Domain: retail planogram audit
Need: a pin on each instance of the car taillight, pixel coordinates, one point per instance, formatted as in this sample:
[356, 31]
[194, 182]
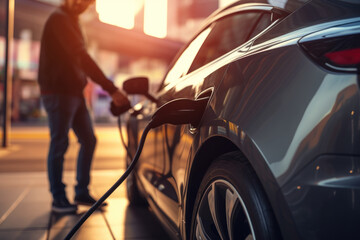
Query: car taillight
[345, 57]
[336, 49]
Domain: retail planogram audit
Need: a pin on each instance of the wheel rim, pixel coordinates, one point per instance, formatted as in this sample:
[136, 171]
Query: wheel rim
[222, 214]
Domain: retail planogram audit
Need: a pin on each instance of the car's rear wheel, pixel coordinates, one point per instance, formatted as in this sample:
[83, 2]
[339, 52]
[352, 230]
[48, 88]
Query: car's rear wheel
[231, 203]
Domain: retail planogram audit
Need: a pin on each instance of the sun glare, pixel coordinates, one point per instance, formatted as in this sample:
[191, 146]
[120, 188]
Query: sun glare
[120, 13]
[155, 18]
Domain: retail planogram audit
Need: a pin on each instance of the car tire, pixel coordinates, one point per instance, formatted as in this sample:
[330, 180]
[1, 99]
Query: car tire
[231, 203]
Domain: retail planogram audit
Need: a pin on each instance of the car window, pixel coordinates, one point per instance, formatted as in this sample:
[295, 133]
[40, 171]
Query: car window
[183, 63]
[227, 34]
[263, 22]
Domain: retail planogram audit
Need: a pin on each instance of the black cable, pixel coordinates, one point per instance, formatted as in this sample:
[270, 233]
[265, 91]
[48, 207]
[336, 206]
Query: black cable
[176, 112]
[115, 186]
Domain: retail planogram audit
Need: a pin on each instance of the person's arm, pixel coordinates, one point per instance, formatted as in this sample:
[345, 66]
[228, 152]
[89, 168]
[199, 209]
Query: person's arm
[94, 72]
[69, 36]
[71, 41]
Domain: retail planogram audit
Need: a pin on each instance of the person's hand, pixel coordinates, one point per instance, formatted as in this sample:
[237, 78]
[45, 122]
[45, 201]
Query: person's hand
[120, 99]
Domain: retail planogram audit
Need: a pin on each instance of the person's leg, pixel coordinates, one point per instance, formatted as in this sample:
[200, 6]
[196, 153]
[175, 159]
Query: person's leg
[60, 114]
[83, 129]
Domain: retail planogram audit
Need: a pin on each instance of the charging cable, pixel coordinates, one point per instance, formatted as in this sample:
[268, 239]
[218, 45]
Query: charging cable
[176, 112]
[115, 186]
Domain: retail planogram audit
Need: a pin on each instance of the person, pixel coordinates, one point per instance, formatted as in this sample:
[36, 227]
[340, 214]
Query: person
[63, 70]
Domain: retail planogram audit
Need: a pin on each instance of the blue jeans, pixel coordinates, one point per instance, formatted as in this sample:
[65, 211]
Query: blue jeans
[65, 112]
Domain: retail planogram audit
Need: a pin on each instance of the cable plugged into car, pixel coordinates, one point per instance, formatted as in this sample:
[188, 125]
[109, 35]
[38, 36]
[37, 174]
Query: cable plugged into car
[180, 111]
[176, 112]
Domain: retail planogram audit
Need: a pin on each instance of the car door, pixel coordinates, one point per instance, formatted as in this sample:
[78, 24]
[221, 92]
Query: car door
[204, 74]
[146, 168]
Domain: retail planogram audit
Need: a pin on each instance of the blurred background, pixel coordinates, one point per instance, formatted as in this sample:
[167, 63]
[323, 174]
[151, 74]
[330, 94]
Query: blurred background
[126, 38]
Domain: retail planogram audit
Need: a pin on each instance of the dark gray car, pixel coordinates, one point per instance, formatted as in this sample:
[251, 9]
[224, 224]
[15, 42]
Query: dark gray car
[277, 152]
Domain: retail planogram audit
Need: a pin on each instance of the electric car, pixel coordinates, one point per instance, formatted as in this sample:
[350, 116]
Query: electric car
[276, 152]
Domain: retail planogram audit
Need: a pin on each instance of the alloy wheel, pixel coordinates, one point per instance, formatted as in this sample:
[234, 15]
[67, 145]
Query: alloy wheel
[222, 214]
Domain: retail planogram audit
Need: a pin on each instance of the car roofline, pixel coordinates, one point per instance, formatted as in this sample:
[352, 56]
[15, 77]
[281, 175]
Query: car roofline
[286, 5]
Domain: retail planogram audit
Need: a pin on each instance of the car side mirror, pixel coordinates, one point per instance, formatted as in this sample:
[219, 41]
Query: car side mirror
[138, 85]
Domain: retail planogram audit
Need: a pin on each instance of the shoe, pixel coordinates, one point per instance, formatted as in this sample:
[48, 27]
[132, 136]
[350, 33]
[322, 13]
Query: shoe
[62, 205]
[86, 199]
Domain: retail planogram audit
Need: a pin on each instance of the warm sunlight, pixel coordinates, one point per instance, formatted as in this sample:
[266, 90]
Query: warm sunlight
[223, 3]
[120, 13]
[155, 18]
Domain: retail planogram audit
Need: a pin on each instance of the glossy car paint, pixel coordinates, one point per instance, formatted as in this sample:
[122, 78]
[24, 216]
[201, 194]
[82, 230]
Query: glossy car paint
[296, 122]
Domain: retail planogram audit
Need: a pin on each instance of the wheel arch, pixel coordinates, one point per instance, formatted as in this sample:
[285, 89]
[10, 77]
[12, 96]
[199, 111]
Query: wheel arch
[216, 146]
[208, 152]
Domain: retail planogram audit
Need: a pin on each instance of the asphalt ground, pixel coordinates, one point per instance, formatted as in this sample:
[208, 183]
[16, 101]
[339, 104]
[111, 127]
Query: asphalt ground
[25, 201]
[28, 149]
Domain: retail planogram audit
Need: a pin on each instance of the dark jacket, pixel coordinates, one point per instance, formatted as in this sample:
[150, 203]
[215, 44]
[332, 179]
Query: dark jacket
[64, 61]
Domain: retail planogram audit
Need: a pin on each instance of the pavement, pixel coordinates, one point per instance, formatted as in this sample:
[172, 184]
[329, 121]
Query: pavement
[25, 201]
